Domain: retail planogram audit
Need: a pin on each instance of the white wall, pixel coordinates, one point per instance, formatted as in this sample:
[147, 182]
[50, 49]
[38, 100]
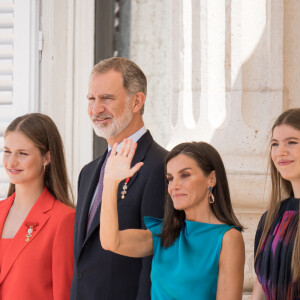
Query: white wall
[68, 54]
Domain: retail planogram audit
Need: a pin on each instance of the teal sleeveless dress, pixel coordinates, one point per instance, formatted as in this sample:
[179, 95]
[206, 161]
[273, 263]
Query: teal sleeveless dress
[189, 268]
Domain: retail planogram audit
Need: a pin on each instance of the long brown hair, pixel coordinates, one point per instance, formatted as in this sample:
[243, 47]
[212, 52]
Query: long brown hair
[281, 189]
[42, 131]
[208, 160]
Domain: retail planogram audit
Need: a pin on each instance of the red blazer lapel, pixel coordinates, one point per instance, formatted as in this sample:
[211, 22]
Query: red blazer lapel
[5, 206]
[36, 217]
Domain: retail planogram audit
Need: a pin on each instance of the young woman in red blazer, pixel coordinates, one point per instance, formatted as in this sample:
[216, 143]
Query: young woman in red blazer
[37, 218]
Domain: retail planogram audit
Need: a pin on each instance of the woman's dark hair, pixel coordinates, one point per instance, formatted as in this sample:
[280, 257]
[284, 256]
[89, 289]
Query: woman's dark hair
[208, 160]
[42, 131]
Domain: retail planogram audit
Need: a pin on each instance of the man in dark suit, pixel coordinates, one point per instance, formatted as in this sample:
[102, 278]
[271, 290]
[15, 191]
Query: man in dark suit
[116, 96]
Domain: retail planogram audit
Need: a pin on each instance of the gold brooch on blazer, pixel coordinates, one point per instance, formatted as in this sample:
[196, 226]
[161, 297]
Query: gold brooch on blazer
[124, 192]
[31, 227]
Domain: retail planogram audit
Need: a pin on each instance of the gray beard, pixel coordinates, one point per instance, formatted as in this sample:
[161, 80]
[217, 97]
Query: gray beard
[115, 127]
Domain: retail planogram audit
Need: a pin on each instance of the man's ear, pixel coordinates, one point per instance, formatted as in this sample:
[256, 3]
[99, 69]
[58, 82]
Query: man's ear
[138, 101]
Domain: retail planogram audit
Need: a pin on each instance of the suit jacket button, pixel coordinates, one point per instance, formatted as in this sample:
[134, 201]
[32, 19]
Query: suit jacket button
[79, 275]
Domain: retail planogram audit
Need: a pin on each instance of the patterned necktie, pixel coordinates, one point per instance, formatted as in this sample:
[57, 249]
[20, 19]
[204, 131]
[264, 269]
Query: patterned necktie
[98, 196]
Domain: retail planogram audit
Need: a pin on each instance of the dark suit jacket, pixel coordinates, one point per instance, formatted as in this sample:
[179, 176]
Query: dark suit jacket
[100, 274]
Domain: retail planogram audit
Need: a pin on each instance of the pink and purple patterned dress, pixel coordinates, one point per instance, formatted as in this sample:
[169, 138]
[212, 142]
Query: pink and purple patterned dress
[273, 263]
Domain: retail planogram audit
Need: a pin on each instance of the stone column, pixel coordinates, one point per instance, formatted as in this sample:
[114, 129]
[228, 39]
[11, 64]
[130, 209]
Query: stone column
[221, 72]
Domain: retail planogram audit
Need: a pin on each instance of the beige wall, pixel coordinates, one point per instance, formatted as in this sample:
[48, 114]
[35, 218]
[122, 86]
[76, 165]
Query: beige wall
[291, 53]
[221, 71]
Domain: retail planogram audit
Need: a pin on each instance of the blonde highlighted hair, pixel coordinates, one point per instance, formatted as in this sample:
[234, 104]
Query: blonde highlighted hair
[281, 189]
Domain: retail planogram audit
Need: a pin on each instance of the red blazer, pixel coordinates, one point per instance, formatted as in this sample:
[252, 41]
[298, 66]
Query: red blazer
[42, 267]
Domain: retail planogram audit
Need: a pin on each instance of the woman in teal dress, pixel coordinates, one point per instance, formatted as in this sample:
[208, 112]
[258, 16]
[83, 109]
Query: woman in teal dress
[198, 249]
